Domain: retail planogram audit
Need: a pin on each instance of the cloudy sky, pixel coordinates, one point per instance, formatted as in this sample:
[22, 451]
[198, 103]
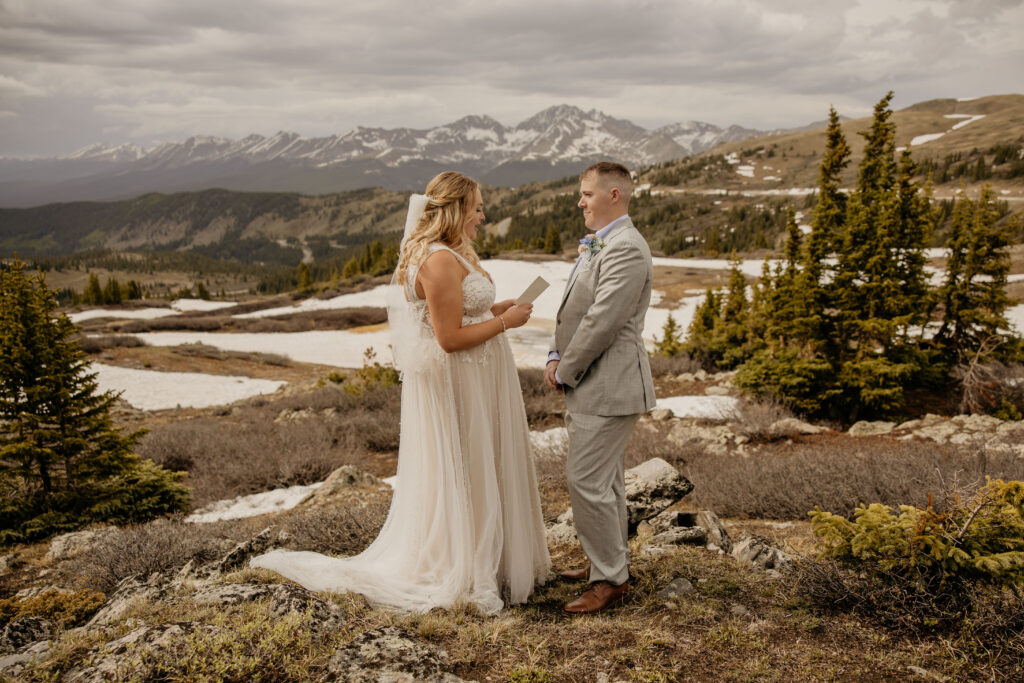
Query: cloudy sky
[75, 72]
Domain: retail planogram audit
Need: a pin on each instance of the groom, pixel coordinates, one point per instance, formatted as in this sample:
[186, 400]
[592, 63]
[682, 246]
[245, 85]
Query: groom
[599, 361]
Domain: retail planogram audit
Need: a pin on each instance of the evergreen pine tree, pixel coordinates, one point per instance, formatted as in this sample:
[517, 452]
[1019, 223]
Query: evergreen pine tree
[62, 463]
[93, 293]
[699, 336]
[552, 241]
[305, 280]
[112, 291]
[974, 292]
[670, 344]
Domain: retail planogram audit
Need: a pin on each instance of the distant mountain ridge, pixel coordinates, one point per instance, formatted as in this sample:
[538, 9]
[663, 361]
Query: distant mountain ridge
[551, 144]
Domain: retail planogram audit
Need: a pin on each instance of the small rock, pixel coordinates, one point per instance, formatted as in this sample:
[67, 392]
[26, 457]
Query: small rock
[561, 533]
[676, 589]
[701, 375]
[283, 599]
[686, 377]
[256, 545]
[654, 551]
[679, 535]
[788, 426]
[390, 654]
[925, 673]
[738, 610]
[717, 390]
[661, 414]
[715, 530]
[758, 552]
[865, 428]
[663, 521]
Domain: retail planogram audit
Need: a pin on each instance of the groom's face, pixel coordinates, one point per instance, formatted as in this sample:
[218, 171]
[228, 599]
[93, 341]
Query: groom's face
[598, 201]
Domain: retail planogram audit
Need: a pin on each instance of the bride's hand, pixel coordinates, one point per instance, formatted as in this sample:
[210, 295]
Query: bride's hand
[501, 306]
[517, 315]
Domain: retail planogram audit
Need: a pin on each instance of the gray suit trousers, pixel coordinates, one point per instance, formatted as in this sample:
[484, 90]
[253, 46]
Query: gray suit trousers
[596, 476]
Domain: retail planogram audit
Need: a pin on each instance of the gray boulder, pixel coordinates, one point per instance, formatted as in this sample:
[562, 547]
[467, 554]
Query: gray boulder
[652, 487]
[389, 655]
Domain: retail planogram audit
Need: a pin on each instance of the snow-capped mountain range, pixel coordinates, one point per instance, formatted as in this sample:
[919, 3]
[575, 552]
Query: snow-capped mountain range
[550, 144]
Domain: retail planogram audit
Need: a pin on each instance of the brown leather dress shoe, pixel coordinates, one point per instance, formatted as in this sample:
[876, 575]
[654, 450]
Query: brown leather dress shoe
[576, 574]
[598, 596]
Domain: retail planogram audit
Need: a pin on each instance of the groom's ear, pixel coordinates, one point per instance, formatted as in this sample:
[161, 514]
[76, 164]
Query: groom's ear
[615, 194]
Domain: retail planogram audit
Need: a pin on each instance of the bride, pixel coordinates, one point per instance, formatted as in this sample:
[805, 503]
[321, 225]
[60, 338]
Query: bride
[465, 521]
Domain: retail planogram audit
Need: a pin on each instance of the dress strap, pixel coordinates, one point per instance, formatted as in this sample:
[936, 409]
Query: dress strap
[437, 246]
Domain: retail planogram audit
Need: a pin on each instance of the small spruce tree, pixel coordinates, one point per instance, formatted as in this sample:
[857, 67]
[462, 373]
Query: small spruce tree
[62, 463]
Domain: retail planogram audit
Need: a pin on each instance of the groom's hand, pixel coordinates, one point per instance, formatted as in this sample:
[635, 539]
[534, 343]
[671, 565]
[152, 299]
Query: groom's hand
[549, 375]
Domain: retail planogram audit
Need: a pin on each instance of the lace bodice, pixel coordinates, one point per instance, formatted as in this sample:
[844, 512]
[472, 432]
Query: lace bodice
[477, 298]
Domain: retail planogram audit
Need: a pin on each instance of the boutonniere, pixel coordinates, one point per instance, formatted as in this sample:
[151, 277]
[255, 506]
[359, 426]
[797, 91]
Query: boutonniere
[590, 245]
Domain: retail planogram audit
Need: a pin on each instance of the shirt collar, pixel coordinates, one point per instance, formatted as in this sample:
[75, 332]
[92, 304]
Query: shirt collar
[603, 232]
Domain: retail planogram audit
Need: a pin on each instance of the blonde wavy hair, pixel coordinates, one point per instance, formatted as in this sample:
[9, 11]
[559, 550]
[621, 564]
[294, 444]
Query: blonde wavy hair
[451, 198]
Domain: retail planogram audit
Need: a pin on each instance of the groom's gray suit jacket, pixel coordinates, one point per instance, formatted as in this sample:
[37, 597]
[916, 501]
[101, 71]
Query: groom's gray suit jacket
[604, 367]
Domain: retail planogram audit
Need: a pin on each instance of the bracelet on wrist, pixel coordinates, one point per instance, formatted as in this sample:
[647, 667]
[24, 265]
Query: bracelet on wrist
[503, 327]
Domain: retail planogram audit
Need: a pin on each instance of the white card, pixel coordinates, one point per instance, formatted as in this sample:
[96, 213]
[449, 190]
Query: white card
[533, 291]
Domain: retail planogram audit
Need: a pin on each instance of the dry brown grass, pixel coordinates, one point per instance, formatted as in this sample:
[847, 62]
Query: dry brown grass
[159, 546]
[250, 451]
[785, 480]
[108, 341]
[332, 319]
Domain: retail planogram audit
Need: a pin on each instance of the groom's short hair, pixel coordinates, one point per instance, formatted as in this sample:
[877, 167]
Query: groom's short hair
[612, 174]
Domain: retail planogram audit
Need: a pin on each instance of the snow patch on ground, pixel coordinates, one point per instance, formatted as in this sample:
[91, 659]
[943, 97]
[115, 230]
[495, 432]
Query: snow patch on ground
[922, 139]
[709, 407]
[970, 119]
[133, 314]
[745, 171]
[151, 390]
[1016, 317]
[187, 305]
[276, 500]
[376, 297]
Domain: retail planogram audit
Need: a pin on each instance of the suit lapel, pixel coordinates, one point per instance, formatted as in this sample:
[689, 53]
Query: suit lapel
[616, 231]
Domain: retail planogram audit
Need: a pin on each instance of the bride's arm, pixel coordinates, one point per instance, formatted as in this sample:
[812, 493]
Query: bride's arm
[440, 277]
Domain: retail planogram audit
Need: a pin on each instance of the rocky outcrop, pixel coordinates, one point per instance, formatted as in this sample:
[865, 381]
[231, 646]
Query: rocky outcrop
[391, 655]
[282, 599]
[240, 555]
[67, 545]
[23, 632]
[340, 482]
[119, 659]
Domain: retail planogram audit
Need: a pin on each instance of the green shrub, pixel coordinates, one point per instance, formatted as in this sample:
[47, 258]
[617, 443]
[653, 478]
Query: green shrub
[63, 610]
[977, 541]
[371, 376]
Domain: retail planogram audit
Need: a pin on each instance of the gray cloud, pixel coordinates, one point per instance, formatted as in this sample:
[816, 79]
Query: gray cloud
[76, 71]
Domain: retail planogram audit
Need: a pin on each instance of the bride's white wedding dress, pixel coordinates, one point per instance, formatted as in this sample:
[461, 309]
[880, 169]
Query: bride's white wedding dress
[465, 522]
